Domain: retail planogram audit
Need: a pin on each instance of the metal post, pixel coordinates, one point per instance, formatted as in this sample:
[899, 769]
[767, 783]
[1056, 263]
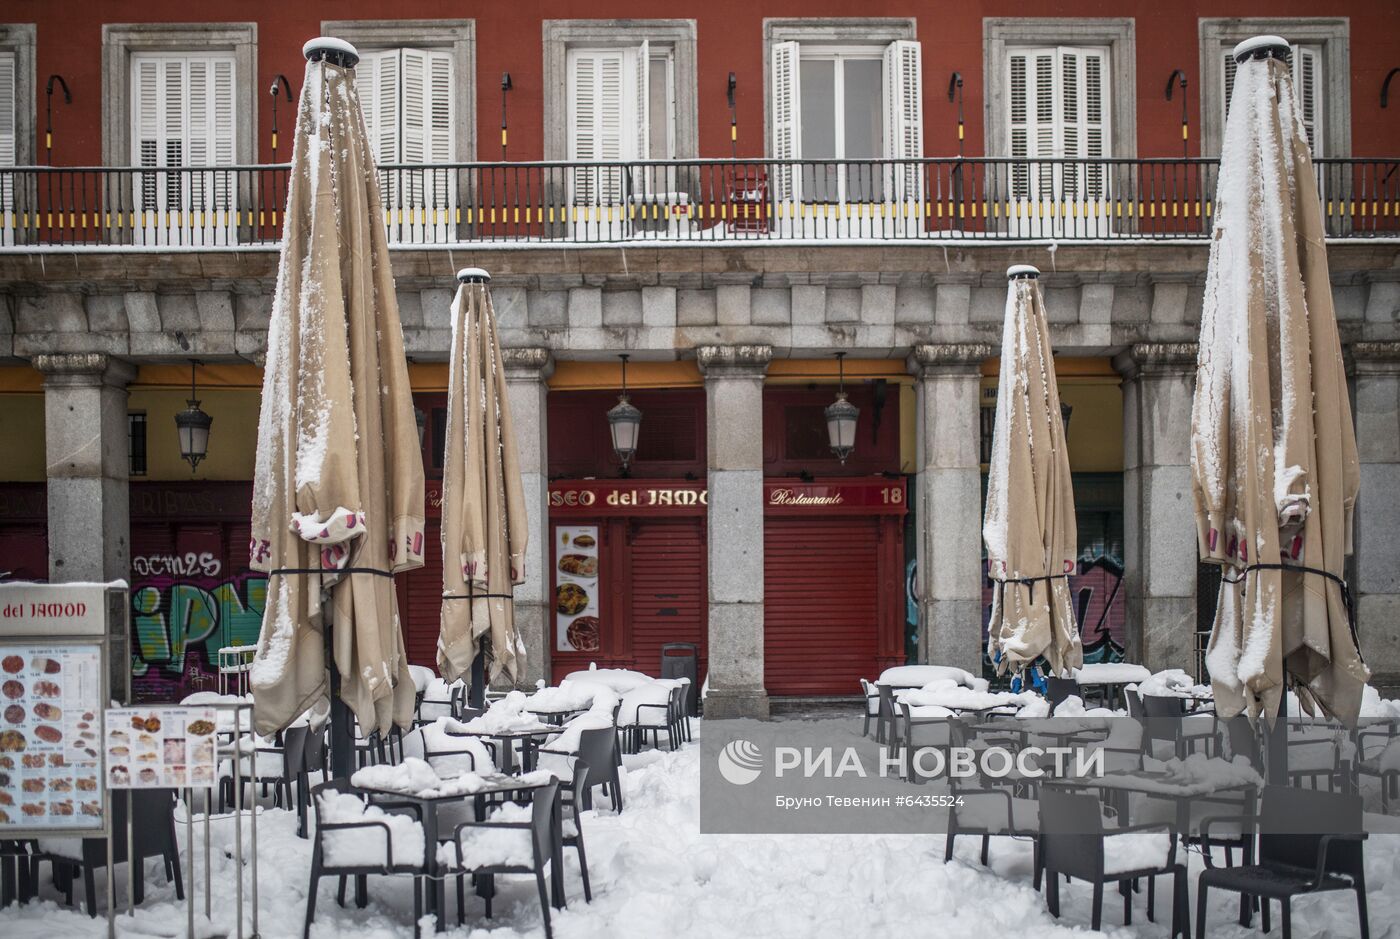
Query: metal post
[189, 847]
[208, 810]
[130, 857]
[476, 692]
[111, 881]
[238, 816]
[1276, 741]
[253, 823]
[342, 745]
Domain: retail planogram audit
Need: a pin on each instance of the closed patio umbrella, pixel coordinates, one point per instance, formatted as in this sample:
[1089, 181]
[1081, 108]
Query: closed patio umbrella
[1274, 461]
[483, 503]
[338, 490]
[1029, 526]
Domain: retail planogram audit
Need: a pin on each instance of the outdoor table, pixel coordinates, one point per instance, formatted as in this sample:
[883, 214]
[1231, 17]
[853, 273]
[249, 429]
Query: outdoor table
[428, 802]
[506, 740]
[1058, 729]
[556, 717]
[916, 676]
[1160, 785]
[1109, 678]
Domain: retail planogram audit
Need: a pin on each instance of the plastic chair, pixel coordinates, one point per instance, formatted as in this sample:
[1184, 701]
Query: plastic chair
[1327, 856]
[1058, 690]
[872, 705]
[1074, 842]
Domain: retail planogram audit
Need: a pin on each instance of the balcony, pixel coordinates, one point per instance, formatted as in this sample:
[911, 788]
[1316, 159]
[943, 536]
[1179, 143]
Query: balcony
[698, 202]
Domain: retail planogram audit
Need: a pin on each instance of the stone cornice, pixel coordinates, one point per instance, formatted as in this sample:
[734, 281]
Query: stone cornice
[1381, 354]
[82, 368]
[931, 360]
[527, 362]
[1156, 358]
[734, 361]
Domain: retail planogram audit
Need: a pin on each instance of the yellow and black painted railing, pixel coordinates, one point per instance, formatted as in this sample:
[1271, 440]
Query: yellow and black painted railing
[679, 201]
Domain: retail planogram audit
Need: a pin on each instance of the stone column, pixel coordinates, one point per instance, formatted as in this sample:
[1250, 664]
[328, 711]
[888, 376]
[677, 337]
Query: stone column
[734, 422]
[526, 372]
[1159, 526]
[1376, 536]
[85, 445]
[948, 503]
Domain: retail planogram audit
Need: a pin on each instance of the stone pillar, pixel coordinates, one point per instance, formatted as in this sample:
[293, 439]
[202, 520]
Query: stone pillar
[734, 422]
[948, 503]
[1376, 543]
[1159, 522]
[85, 444]
[526, 372]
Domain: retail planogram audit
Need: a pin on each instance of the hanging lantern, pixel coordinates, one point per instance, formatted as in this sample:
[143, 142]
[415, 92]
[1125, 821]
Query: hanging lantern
[625, 423]
[193, 427]
[841, 418]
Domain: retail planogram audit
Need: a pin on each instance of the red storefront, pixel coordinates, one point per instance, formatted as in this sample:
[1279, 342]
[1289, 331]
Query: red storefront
[628, 570]
[833, 586]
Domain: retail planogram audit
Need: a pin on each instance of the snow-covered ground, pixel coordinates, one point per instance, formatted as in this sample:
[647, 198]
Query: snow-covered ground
[655, 875]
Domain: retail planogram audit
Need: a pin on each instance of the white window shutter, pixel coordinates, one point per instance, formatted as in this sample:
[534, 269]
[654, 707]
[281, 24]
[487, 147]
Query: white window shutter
[442, 117]
[1307, 88]
[413, 130]
[643, 107]
[787, 111]
[1018, 110]
[904, 116]
[595, 123]
[1229, 66]
[8, 106]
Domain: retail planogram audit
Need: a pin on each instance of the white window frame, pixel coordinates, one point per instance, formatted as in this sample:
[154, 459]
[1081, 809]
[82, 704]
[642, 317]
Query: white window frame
[841, 54]
[17, 39]
[1118, 34]
[1329, 34]
[121, 40]
[676, 35]
[1035, 178]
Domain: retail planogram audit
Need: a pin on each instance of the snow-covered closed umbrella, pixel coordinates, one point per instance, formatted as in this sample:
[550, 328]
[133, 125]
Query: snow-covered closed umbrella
[338, 490]
[483, 502]
[1029, 525]
[1274, 460]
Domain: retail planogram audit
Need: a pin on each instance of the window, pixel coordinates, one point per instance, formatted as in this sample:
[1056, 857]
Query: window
[183, 116]
[136, 442]
[1321, 68]
[16, 119]
[840, 103]
[1058, 110]
[645, 68]
[9, 146]
[620, 109]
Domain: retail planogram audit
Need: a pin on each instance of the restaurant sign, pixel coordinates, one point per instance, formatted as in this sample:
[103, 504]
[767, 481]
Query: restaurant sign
[847, 496]
[628, 497]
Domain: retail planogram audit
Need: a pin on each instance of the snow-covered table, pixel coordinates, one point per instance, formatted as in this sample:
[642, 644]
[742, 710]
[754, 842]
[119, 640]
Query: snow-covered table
[1178, 781]
[451, 790]
[916, 676]
[1110, 678]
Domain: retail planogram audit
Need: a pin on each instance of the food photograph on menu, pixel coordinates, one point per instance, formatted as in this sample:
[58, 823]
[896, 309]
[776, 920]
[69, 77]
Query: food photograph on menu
[160, 747]
[50, 763]
[576, 588]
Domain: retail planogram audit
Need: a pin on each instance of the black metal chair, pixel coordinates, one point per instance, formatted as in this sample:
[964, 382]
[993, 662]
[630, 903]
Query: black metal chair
[920, 733]
[19, 874]
[153, 835]
[1325, 856]
[989, 807]
[1164, 719]
[320, 868]
[599, 751]
[542, 835]
[572, 832]
[1060, 690]
[1075, 842]
[887, 724]
[872, 705]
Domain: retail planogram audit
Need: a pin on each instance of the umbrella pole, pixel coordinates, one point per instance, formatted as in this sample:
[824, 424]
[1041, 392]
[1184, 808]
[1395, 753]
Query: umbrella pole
[342, 746]
[1276, 740]
[476, 692]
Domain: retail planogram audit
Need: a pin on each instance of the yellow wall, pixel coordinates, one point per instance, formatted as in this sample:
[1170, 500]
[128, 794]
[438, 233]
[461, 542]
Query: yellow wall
[232, 437]
[22, 437]
[1093, 390]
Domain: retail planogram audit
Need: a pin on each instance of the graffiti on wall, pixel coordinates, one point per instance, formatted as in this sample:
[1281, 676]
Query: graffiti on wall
[183, 610]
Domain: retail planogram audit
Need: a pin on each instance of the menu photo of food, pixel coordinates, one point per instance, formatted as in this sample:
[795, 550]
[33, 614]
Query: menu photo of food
[576, 592]
[49, 719]
[160, 747]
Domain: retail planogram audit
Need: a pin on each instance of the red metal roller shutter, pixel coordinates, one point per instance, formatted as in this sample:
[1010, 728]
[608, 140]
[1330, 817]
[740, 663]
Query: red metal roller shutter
[820, 604]
[420, 600]
[668, 589]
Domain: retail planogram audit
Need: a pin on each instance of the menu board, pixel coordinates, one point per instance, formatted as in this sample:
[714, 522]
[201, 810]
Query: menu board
[50, 728]
[160, 748]
[577, 628]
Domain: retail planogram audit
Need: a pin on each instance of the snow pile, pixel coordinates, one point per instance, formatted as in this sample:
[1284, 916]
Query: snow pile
[422, 677]
[1136, 851]
[505, 716]
[368, 846]
[949, 694]
[485, 846]
[1173, 683]
[620, 680]
[651, 694]
[568, 740]
[450, 753]
[1201, 773]
[568, 696]
[916, 676]
[1110, 673]
[415, 777]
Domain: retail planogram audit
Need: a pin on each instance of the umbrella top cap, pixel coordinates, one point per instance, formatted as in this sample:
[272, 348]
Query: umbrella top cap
[335, 51]
[473, 275]
[1022, 272]
[1262, 47]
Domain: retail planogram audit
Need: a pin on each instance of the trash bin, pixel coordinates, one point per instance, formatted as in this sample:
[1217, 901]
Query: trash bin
[682, 660]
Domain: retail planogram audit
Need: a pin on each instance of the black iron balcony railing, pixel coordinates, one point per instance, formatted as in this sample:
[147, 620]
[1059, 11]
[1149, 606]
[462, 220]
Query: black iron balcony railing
[697, 201]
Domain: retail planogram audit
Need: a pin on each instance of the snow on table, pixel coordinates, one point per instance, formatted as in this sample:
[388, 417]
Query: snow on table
[567, 696]
[620, 680]
[947, 694]
[916, 676]
[1111, 673]
[505, 716]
